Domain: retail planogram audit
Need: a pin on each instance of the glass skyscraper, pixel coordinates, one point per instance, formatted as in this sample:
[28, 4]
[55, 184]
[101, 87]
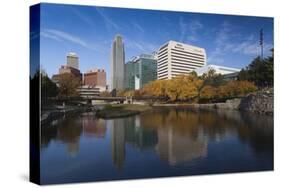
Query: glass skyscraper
[140, 70]
[117, 62]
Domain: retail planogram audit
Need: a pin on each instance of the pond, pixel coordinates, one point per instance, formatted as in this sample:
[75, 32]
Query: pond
[159, 143]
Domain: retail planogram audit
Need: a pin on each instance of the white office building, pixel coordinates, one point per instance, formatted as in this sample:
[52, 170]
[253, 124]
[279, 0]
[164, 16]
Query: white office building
[218, 70]
[72, 60]
[174, 58]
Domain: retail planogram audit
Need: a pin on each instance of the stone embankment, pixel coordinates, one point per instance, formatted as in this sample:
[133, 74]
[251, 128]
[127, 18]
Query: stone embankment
[260, 102]
[54, 113]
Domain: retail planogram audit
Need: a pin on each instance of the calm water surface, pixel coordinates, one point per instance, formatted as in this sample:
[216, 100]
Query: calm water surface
[166, 142]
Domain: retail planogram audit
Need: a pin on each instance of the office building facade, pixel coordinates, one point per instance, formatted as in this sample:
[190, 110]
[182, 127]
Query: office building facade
[174, 58]
[117, 62]
[88, 91]
[140, 70]
[64, 69]
[72, 60]
[95, 77]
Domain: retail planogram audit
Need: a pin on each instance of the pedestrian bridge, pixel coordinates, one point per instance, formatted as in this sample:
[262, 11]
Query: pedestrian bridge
[108, 99]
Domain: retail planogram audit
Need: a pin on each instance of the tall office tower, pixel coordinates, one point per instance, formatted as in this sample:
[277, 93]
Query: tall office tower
[174, 58]
[72, 60]
[117, 64]
[140, 70]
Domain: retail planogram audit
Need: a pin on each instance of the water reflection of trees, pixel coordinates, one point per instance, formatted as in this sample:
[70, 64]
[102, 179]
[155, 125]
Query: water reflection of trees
[179, 139]
[69, 130]
[258, 132]
[48, 134]
[183, 134]
[177, 135]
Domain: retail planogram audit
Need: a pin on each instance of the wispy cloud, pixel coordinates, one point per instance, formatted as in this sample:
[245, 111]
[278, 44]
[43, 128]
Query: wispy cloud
[138, 27]
[65, 36]
[107, 19]
[220, 44]
[50, 36]
[145, 47]
[250, 46]
[62, 36]
[189, 29]
[228, 40]
[86, 19]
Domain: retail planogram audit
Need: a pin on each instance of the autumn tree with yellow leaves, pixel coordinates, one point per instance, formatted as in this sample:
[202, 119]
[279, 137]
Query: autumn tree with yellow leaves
[209, 87]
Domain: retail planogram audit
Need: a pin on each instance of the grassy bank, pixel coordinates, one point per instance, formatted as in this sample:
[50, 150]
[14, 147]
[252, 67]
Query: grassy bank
[121, 110]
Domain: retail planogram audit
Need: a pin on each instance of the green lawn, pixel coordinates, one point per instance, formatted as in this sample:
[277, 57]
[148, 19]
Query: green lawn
[121, 110]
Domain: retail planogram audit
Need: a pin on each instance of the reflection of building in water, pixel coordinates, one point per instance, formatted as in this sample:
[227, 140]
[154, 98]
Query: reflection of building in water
[117, 142]
[69, 132]
[73, 148]
[138, 136]
[177, 147]
[93, 127]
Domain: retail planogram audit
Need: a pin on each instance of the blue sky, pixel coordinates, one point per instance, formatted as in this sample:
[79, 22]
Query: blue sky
[89, 31]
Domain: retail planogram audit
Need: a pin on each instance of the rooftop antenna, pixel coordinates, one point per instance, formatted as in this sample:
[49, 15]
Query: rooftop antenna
[261, 42]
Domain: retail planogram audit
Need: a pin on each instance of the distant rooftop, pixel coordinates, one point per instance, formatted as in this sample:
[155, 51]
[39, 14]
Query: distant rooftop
[223, 67]
[95, 70]
[72, 54]
[183, 44]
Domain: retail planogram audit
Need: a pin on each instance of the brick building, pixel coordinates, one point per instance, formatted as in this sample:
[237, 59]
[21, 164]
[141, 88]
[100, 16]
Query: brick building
[67, 69]
[96, 77]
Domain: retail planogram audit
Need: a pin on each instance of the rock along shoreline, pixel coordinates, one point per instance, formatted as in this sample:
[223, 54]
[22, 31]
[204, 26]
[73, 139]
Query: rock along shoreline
[259, 103]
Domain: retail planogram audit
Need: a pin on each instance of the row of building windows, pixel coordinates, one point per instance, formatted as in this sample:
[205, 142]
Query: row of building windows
[179, 69]
[162, 66]
[163, 70]
[161, 73]
[163, 51]
[177, 47]
[188, 53]
[163, 57]
[163, 60]
[183, 67]
[188, 60]
[179, 72]
[163, 47]
[163, 78]
[188, 63]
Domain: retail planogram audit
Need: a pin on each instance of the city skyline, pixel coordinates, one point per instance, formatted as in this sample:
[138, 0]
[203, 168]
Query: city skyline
[89, 31]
